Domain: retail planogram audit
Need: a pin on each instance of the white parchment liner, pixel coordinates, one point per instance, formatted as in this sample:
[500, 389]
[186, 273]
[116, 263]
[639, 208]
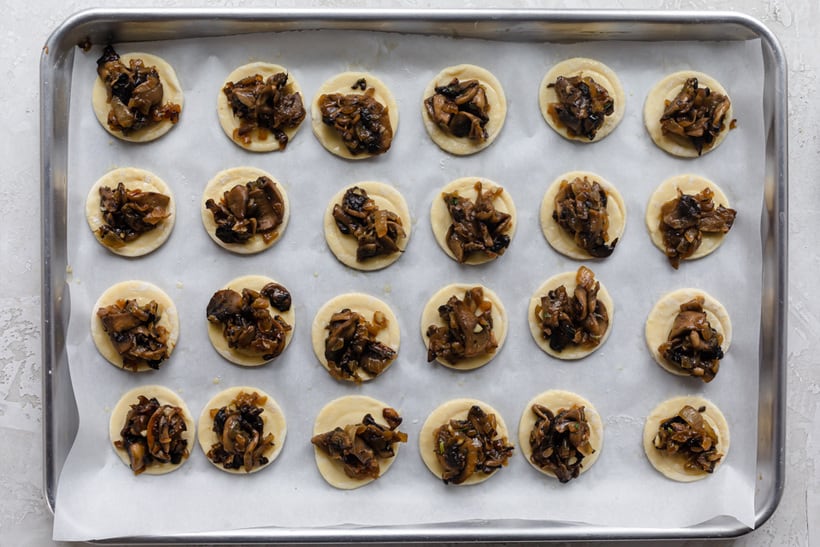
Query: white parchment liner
[99, 498]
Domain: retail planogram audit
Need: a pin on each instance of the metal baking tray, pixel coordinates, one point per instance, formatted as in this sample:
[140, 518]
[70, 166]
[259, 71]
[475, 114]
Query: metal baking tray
[60, 416]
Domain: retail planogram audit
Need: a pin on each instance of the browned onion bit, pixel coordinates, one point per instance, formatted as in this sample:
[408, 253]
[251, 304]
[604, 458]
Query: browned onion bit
[247, 323]
[127, 213]
[240, 430]
[264, 106]
[690, 436]
[560, 440]
[472, 445]
[360, 446]
[351, 346]
[477, 227]
[377, 231]
[583, 105]
[696, 114]
[134, 92]
[684, 220]
[580, 320]
[135, 333]
[460, 108]
[256, 207]
[360, 120]
[580, 210]
[152, 434]
[467, 331]
[693, 346]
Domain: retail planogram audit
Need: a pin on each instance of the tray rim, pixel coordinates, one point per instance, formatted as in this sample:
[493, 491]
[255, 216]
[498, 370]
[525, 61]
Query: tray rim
[59, 48]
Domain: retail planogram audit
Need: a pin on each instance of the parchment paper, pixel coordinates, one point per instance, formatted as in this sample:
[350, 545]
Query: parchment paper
[98, 497]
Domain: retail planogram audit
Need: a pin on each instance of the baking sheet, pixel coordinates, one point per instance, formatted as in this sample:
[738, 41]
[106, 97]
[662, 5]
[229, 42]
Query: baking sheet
[620, 378]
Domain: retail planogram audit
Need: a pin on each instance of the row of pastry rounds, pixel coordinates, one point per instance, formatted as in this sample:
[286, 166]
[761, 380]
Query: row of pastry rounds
[348, 410]
[387, 197]
[346, 83]
[658, 325]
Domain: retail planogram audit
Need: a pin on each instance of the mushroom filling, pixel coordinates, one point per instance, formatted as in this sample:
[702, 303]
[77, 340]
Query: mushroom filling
[360, 446]
[684, 220]
[246, 210]
[696, 114]
[135, 333]
[264, 106]
[583, 105]
[134, 93]
[152, 434]
[351, 345]
[361, 121]
[246, 322]
[467, 330]
[377, 231]
[460, 108]
[693, 346]
[130, 213]
[240, 429]
[580, 209]
[478, 227]
[468, 446]
[560, 441]
[580, 320]
[690, 436]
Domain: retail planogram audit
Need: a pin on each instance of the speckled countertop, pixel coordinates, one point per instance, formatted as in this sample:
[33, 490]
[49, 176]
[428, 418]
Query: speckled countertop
[24, 517]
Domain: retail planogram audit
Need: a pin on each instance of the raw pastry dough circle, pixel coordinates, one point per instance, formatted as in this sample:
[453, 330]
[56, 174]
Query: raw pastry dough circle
[672, 466]
[272, 417]
[666, 90]
[455, 409]
[223, 182]
[568, 280]
[342, 83]
[165, 397]
[558, 238]
[365, 305]
[663, 314]
[339, 413]
[667, 191]
[229, 122]
[143, 292]
[440, 218]
[171, 93]
[133, 179]
[344, 246]
[237, 356]
[602, 74]
[556, 400]
[462, 146]
[430, 316]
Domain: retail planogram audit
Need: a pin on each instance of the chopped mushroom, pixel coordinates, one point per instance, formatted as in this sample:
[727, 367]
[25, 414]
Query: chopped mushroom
[263, 106]
[693, 346]
[582, 106]
[560, 441]
[460, 108]
[240, 429]
[360, 446]
[256, 207]
[247, 324]
[152, 434]
[135, 333]
[580, 209]
[472, 445]
[351, 346]
[361, 121]
[580, 320]
[684, 220]
[129, 213]
[377, 231]
[690, 436]
[467, 330]
[696, 114]
[478, 227]
[134, 92]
